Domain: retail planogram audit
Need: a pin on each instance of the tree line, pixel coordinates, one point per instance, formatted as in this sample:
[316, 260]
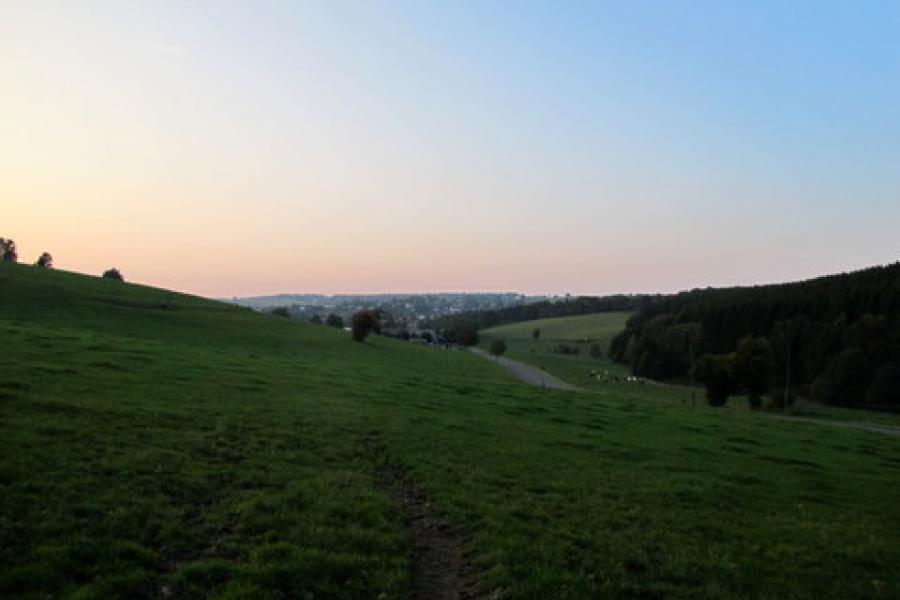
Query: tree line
[833, 339]
[463, 328]
[10, 254]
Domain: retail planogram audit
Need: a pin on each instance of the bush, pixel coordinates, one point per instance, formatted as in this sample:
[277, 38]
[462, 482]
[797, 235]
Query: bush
[334, 320]
[281, 311]
[45, 261]
[315, 319]
[362, 324]
[596, 351]
[497, 347]
[113, 274]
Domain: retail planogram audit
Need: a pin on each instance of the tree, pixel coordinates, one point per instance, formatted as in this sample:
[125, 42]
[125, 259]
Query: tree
[316, 319]
[469, 337]
[8, 251]
[596, 352]
[753, 367]
[334, 320]
[845, 380]
[536, 333]
[362, 324]
[44, 261]
[113, 274]
[497, 347]
[715, 373]
[281, 311]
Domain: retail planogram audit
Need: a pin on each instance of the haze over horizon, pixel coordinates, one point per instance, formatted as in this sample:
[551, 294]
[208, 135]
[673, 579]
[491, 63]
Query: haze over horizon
[229, 150]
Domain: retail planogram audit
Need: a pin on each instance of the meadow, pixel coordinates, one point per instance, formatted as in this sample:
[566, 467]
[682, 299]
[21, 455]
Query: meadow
[157, 445]
[578, 333]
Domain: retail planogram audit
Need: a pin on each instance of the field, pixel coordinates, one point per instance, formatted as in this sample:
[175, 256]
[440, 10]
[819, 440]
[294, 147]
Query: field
[579, 333]
[158, 445]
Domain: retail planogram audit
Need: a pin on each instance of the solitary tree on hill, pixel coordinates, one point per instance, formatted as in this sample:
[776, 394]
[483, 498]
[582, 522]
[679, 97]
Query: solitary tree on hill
[362, 324]
[497, 347]
[44, 261]
[334, 320]
[113, 274]
[536, 333]
[8, 251]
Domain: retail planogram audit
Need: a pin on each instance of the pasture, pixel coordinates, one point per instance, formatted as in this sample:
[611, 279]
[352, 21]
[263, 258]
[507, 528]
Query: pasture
[157, 445]
[578, 334]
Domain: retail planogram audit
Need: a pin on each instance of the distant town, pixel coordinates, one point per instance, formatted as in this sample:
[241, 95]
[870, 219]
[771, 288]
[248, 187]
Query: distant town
[406, 310]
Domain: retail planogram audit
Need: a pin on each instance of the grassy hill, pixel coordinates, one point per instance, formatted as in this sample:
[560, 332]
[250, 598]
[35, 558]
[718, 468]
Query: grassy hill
[158, 445]
[577, 332]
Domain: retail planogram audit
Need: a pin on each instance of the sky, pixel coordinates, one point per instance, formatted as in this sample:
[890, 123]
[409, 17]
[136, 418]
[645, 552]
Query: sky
[241, 148]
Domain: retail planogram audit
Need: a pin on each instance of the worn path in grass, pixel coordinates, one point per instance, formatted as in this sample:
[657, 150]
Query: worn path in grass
[527, 373]
[441, 569]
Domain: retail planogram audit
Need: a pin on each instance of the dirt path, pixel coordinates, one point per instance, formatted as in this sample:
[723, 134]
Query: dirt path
[440, 567]
[527, 373]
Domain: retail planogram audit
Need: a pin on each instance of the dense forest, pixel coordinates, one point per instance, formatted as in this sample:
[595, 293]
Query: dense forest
[463, 327]
[833, 339]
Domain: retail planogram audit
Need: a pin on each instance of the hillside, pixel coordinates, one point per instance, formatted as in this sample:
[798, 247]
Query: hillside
[457, 328]
[157, 445]
[564, 346]
[835, 339]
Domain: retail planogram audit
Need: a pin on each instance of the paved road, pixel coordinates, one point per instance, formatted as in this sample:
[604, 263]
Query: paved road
[527, 373]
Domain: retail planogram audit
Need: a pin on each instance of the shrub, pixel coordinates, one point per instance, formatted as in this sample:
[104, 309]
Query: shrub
[497, 347]
[113, 274]
[334, 320]
[316, 319]
[281, 311]
[596, 351]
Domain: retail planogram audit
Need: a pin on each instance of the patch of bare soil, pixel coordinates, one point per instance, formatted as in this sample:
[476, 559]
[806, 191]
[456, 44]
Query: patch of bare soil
[441, 569]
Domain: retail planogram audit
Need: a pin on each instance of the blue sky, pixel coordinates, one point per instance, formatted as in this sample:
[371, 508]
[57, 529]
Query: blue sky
[540, 147]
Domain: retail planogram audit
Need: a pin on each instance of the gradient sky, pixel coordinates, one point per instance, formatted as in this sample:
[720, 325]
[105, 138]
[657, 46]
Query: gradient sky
[237, 148]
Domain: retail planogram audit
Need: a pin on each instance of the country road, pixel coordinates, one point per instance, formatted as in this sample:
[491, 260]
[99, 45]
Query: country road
[527, 373]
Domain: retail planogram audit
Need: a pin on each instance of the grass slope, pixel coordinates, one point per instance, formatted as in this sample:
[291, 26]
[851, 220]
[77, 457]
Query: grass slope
[154, 444]
[579, 332]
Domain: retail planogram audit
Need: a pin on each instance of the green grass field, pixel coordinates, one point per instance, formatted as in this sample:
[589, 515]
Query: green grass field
[158, 445]
[579, 332]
